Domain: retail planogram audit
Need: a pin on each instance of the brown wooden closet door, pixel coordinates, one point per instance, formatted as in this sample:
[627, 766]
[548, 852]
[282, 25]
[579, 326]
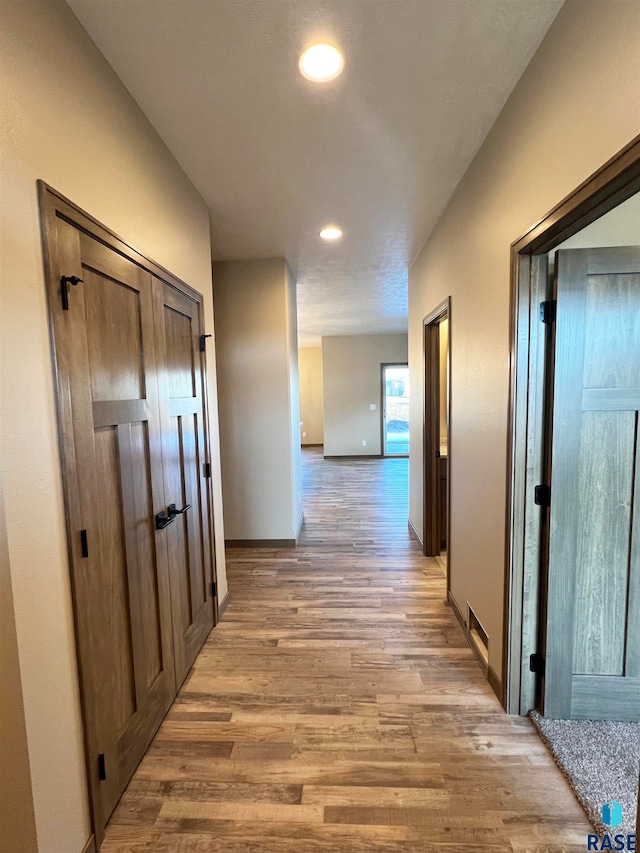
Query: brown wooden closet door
[106, 352]
[180, 376]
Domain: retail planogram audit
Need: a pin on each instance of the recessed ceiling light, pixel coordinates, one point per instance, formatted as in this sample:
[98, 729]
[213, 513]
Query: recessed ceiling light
[331, 232]
[321, 62]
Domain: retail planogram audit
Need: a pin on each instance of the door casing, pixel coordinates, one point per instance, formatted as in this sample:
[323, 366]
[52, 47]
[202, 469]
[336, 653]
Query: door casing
[431, 432]
[615, 182]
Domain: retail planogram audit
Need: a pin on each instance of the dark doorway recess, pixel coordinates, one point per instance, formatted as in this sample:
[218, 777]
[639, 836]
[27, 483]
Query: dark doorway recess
[437, 433]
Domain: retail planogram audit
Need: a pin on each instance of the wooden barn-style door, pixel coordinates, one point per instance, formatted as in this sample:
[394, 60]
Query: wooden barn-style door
[130, 374]
[593, 600]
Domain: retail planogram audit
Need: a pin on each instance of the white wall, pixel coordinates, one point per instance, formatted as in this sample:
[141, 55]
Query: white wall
[310, 363]
[259, 407]
[67, 119]
[352, 381]
[576, 105]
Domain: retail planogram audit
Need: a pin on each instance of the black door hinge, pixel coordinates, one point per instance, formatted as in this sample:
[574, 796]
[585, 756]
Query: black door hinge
[65, 281]
[542, 495]
[548, 311]
[84, 547]
[207, 469]
[203, 342]
[537, 663]
[213, 588]
[102, 767]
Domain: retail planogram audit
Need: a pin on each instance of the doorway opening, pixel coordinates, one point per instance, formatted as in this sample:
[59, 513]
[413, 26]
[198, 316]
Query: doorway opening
[572, 637]
[437, 439]
[573, 549]
[395, 409]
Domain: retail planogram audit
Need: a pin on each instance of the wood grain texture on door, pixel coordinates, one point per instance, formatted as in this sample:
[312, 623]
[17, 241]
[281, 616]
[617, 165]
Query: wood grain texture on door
[122, 586]
[179, 327]
[593, 626]
[131, 397]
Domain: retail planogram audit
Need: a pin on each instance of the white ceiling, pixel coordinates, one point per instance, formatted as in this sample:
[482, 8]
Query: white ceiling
[378, 151]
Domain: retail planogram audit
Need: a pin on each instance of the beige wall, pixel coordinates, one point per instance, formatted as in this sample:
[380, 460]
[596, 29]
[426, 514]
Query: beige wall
[68, 120]
[352, 382]
[310, 362]
[258, 398]
[576, 105]
[17, 820]
[294, 397]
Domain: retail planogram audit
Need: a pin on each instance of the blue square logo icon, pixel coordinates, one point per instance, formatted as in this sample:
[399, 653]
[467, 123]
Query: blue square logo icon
[612, 814]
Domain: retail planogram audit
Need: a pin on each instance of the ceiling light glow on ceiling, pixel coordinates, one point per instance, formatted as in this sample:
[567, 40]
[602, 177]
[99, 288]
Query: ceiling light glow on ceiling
[331, 232]
[321, 62]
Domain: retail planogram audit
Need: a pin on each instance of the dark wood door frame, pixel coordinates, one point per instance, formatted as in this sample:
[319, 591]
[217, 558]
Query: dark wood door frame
[54, 206]
[383, 397]
[431, 432]
[612, 184]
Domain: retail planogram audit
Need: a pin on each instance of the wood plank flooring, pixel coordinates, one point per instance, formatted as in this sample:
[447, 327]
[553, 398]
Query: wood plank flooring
[338, 709]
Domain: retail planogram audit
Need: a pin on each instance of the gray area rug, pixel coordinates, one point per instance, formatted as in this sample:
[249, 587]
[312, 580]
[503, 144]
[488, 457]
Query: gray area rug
[600, 761]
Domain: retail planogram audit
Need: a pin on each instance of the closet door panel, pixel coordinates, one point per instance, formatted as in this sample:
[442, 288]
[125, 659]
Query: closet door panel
[143, 544]
[106, 354]
[141, 577]
[181, 377]
[116, 694]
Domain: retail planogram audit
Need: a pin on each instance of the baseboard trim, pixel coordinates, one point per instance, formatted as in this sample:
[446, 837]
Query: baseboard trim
[222, 605]
[458, 614]
[413, 533]
[90, 846]
[495, 684]
[259, 543]
[356, 456]
[312, 445]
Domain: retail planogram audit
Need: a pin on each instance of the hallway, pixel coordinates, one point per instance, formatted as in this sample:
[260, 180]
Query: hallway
[338, 708]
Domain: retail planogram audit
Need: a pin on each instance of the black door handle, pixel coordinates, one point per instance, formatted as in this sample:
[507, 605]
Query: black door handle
[163, 520]
[171, 509]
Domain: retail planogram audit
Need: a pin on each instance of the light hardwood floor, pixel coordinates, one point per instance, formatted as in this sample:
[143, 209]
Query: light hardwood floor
[338, 709]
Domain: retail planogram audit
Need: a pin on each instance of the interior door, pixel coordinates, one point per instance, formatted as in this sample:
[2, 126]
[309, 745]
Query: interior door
[106, 357]
[593, 599]
[178, 324]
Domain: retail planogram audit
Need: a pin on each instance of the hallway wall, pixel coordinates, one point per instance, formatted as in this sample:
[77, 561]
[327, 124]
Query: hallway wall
[67, 119]
[576, 105]
[291, 296]
[17, 820]
[311, 397]
[259, 405]
[352, 381]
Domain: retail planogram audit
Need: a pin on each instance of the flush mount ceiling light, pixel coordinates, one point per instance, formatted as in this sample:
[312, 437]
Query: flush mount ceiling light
[331, 232]
[321, 62]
